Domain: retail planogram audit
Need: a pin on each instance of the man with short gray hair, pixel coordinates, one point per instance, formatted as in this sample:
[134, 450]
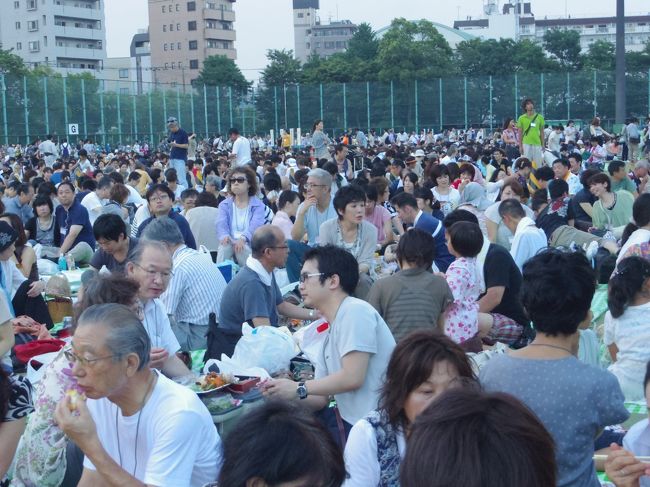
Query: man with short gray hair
[136, 427]
[193, 296]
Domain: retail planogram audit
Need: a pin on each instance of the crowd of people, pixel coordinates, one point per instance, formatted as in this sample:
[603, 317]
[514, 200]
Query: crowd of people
[453, 275]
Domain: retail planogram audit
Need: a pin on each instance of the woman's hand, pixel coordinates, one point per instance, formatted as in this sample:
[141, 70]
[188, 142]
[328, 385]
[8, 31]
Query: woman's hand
[239, 245]
[225, 240]
[36, 288]
[623, 468]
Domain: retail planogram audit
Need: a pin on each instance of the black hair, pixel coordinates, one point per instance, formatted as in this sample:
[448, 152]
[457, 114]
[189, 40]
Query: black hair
[416, 247]
[626, 282]
[105, 182]
[134, 176]
[544, 173]
[586, 176]
[404, 199]
[41, 200]
[333, 260]
[347, 195]
[66, 183]
[539, 199]
[564, 162]
[601, 178]
[525, 102]
[159, 187]
[171, 175]
[233, 131]
[23, 188]
[466, 238]
[189, 193]
[88, 184]
[459, 215]
[207, 199]
[287, 197]
[253, 450]
[272, 182]
[116, 177]
[511, 207]
[640, 215]
[557, 188]
[109, 227]
[371, 192]
[557, 290]
[615, 166]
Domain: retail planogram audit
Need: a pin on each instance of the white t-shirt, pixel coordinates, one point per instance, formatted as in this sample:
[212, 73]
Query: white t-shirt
[177, 442]
[93, 204]
[357, 328]
[504, 235]
[158, 327]
[242, 149]
[134, 196]
[361, 462]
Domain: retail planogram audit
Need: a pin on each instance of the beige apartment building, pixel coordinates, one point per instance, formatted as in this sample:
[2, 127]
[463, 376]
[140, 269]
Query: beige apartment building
[184, 33]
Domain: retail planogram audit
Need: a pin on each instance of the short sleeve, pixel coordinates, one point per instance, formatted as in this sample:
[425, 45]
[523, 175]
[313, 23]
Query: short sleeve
[496, 271]
[78, 215]
[253, 300]
[362, 337]
[492, 214]
[609, 337]
[20, 400]
[457, 279]
[98, 259]
[360, 455]
[610, 401]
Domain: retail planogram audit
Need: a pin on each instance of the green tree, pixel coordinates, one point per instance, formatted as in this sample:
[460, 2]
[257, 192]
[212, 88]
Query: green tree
[601, 55]
[11, 63]
[638, 61]
[477, 57]
[413, 50]
[282, 68]
[564, 45]
[222, 71]
[363, 44]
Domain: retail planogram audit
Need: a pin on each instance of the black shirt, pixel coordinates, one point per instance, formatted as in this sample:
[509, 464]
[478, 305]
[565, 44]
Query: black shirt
[582, 196]
[500, 269]
[556, 214]
[101, 258]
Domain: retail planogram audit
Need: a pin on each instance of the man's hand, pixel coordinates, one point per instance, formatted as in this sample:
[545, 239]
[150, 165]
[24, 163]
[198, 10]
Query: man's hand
[157, 357]
[36, 288]
[308, 203]
[78, 426]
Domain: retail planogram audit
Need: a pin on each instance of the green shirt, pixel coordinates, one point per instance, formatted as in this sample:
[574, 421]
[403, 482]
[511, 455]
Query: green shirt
[532, 137]
[624, 184]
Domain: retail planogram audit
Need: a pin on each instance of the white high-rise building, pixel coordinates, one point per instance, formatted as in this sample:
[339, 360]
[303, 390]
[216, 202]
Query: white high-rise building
[66, 35]
[305, 16]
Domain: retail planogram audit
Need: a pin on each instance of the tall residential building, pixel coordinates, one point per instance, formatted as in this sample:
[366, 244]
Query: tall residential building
[517, 21]
[313, 37]
[183, 34]
[67, 35]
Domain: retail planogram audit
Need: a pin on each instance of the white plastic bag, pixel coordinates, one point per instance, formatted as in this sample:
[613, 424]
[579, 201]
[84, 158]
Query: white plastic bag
[266, 347]
[311, 339]
[44, 359]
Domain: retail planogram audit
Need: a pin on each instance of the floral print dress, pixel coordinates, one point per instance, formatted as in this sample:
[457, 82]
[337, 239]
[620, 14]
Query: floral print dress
[461, 319]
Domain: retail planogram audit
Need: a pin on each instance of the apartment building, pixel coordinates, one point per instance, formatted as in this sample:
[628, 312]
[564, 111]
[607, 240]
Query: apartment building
[66, 35]
[183, 34]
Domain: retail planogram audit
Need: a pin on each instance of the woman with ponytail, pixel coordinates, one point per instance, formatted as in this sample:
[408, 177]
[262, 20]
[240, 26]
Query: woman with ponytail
[637, 233]
[627, 327]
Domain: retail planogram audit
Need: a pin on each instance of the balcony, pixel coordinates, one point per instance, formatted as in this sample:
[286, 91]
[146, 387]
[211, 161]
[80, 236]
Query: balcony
[216, 51]
[80, 52]
[78, 33]
[220, 34]
[78, 12]
[218, 14]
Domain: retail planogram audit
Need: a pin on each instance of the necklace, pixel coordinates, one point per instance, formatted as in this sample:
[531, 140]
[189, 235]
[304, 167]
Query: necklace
[137, 428]
[550, 346]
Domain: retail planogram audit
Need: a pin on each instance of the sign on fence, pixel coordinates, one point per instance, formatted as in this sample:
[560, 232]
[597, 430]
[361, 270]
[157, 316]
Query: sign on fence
[73, 129]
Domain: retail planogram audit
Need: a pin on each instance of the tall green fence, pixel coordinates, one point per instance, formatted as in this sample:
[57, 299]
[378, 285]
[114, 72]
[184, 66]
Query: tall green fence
[114, 112]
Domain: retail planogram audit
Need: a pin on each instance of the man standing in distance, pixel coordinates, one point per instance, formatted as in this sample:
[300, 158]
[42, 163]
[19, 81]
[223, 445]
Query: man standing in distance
[241, 148]
[178, 155]
[531, 125]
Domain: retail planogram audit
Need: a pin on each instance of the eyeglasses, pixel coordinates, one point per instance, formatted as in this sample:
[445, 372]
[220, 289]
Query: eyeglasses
[279, 247]
[309, 186]
[237, 180]
[304, 276]
[85, 362]
[153, 274]
[159, 197]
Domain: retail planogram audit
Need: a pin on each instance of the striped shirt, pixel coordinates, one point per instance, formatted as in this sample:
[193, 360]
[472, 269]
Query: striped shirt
[195, 288]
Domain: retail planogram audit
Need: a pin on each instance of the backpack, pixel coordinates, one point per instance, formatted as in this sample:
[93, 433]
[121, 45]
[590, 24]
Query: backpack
[65, 149]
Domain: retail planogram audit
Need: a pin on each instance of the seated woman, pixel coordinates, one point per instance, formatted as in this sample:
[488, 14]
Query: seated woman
[611, 211]
[475, 439]
[473, 199]
[43, 229]
[288, 203]
[352, 233]
[239, 216]
[116, 205]
[252, 455]
[378, 216]
[573, 400]
[24, 255]
[428, 204]
[41, 457]
[637, 233]
[627, 328]
[442, 190]
[423, 365]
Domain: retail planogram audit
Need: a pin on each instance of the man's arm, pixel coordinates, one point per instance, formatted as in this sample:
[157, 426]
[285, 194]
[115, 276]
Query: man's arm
[174, 367]
[68, 243]
[298, 229]
[292, 311]
[491, 299]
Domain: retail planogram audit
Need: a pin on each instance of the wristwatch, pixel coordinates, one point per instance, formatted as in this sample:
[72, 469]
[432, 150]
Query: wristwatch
[302, 390]
[311, 313]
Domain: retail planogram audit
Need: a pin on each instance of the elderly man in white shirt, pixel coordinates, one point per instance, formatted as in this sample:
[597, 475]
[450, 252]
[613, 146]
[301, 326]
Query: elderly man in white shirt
[528, 239]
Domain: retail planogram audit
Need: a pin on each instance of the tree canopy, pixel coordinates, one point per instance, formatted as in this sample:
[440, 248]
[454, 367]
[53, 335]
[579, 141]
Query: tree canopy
[222, 71]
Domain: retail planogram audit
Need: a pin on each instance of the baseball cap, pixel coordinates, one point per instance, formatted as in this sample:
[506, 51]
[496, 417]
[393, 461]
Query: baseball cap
[172, 120]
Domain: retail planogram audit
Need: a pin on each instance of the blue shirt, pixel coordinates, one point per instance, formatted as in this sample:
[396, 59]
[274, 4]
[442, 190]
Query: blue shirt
[183, 226]
[434, 227]
[75, 215]
[180, 137]
[12, 205]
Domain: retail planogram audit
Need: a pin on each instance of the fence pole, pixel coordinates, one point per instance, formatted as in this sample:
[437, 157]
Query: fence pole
[516, 94]
[83, 107]
[440, 100]
[541, 89]
[205, 109]
[321, 103]
[119, 117]
[392, 107]
[164, 106]
[596, 94]
[47, 106]
[65, 105]
[648, 90]
[568, 96]
[298, 104]
[101, 115]
[491, 114]
[192, 109]
[243, 119]
[465, 98]
[230, 104]
[417, 113]
[275, 103]
[135, 119]
[178, 105]
[5, 122]
[284, 94]
[345, 108]
[150, 117]
[25, 102]
[368, 104]
[218, 109]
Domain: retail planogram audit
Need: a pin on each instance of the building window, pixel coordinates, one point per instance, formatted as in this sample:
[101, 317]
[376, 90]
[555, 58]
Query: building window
[34, 46]
[45, 20]
[194, 45]
[300, 15]
[123, 91]
[44, 41]
[17, 25]
[173, 65]
[32, 4]
[165, 46]
[19, 46]
[164, 27]
[124, 73]
[191, 6]
[16, 4]
[32, 25]
[166, 65]
[163, 9]
[191, 25]
[171, 27]
[178, 27]
[171, 46]
[329, 45]
[194, 64]
[178, 46]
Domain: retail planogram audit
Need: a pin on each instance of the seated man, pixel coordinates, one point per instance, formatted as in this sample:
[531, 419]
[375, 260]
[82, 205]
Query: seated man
[253, 295]
[151, 267]
[95, 200]
[137, 427]
[528, 239]
[355, 357]
[407, 208]
[74, 224]
[115, 246]
[193, 296]
[160, 200]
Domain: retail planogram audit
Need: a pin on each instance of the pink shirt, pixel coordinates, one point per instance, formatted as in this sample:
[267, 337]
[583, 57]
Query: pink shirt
[282, 220]
[379, 216]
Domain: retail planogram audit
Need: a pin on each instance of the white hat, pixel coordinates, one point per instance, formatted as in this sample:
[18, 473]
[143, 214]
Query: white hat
[291, 161]
[580, 142]
[418, 153]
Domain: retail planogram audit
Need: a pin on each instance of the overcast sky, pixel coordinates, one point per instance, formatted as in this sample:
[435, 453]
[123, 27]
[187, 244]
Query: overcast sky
[267, 24]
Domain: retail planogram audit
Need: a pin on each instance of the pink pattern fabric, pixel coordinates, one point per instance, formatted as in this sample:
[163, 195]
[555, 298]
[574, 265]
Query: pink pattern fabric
[461, 319]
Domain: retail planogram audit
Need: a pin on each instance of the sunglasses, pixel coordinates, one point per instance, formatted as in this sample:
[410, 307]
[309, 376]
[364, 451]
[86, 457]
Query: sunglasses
[237, 180]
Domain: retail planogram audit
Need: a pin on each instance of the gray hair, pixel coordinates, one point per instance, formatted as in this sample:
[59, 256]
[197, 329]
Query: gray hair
[322, 176]
[136, 256]
[126, 333]
[213, 180]
[163, 229]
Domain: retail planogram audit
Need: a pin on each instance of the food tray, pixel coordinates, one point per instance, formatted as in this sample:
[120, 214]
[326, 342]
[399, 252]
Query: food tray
[243, 383]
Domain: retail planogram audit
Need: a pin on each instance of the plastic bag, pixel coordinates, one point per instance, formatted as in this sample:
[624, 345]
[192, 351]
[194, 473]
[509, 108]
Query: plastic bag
[266, 347]
[311, 339]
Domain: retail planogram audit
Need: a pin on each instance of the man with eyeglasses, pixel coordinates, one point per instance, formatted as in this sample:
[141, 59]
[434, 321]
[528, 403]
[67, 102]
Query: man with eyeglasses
[311, 214]
[253, 296]
[161, 201]
[151, 267]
